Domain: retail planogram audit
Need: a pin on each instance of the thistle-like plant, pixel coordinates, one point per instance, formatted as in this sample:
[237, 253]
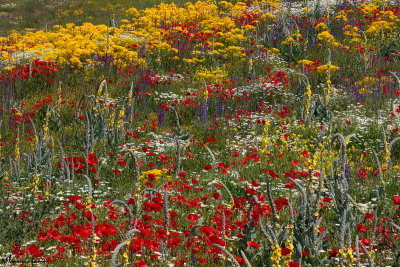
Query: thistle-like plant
[178, 136]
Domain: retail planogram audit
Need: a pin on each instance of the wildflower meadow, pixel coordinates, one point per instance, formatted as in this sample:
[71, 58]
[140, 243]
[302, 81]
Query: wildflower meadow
[200, 133]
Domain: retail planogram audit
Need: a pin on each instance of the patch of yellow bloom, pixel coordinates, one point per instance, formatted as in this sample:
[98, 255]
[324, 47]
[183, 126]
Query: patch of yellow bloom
[321, 27]
[211, 75]
[367, 83]
[328, 39]
[154, 172]
[341, 16]
[305, 62]
[307, 99]
[74, 45]
[324, 68]
[276, 256]
[265, 140]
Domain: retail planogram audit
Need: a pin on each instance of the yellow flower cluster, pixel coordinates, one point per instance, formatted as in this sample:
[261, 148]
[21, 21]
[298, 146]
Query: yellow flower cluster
[307, 99]
[216, 75]
[265, 140]
[385, 20]
[328, 39]
[347, 253]
[353, 35]
[289, 245]
[324, 68]
[35, 183]
[74, 45]
[341, 16]
[377, 27]
[16, 152]
[367, 83]
[321, 27]
[156, 173]
[220, 24]
[386, 157]
[276, 256]
[305, 62]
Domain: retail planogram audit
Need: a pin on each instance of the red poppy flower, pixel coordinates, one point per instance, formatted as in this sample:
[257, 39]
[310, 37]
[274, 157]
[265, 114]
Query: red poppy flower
[216, 196]
[253, 244]
[251, 191]
[202, 261]
[207, 167]
[289, 185]
[369, 216]
[365, 242]
[192, 218]
[92, 159]
[305, 154]
[140, 263]
[79, 206]
[285, 251]
[361, 228]
[326, 199]
[17, 251]
[34, 250]
[273, 174]
[334, 252]
[240, 260]
[396, 200]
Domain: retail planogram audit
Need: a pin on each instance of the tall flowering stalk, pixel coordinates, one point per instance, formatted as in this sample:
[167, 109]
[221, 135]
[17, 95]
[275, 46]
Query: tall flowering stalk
[93, 237]
[289, 245]
[265, 139]
[16, 152]
[276, 256]
[386, 156]
[46, 120]
[60, 96]
[1, 144]
[130, 97]
[329, 90]
[99, 92]
[307, 100]
[46, 126]
[35, 183]
[120, 117]
[307, 94]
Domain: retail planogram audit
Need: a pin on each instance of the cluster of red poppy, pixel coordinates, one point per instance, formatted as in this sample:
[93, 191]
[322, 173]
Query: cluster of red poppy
[39, 70]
